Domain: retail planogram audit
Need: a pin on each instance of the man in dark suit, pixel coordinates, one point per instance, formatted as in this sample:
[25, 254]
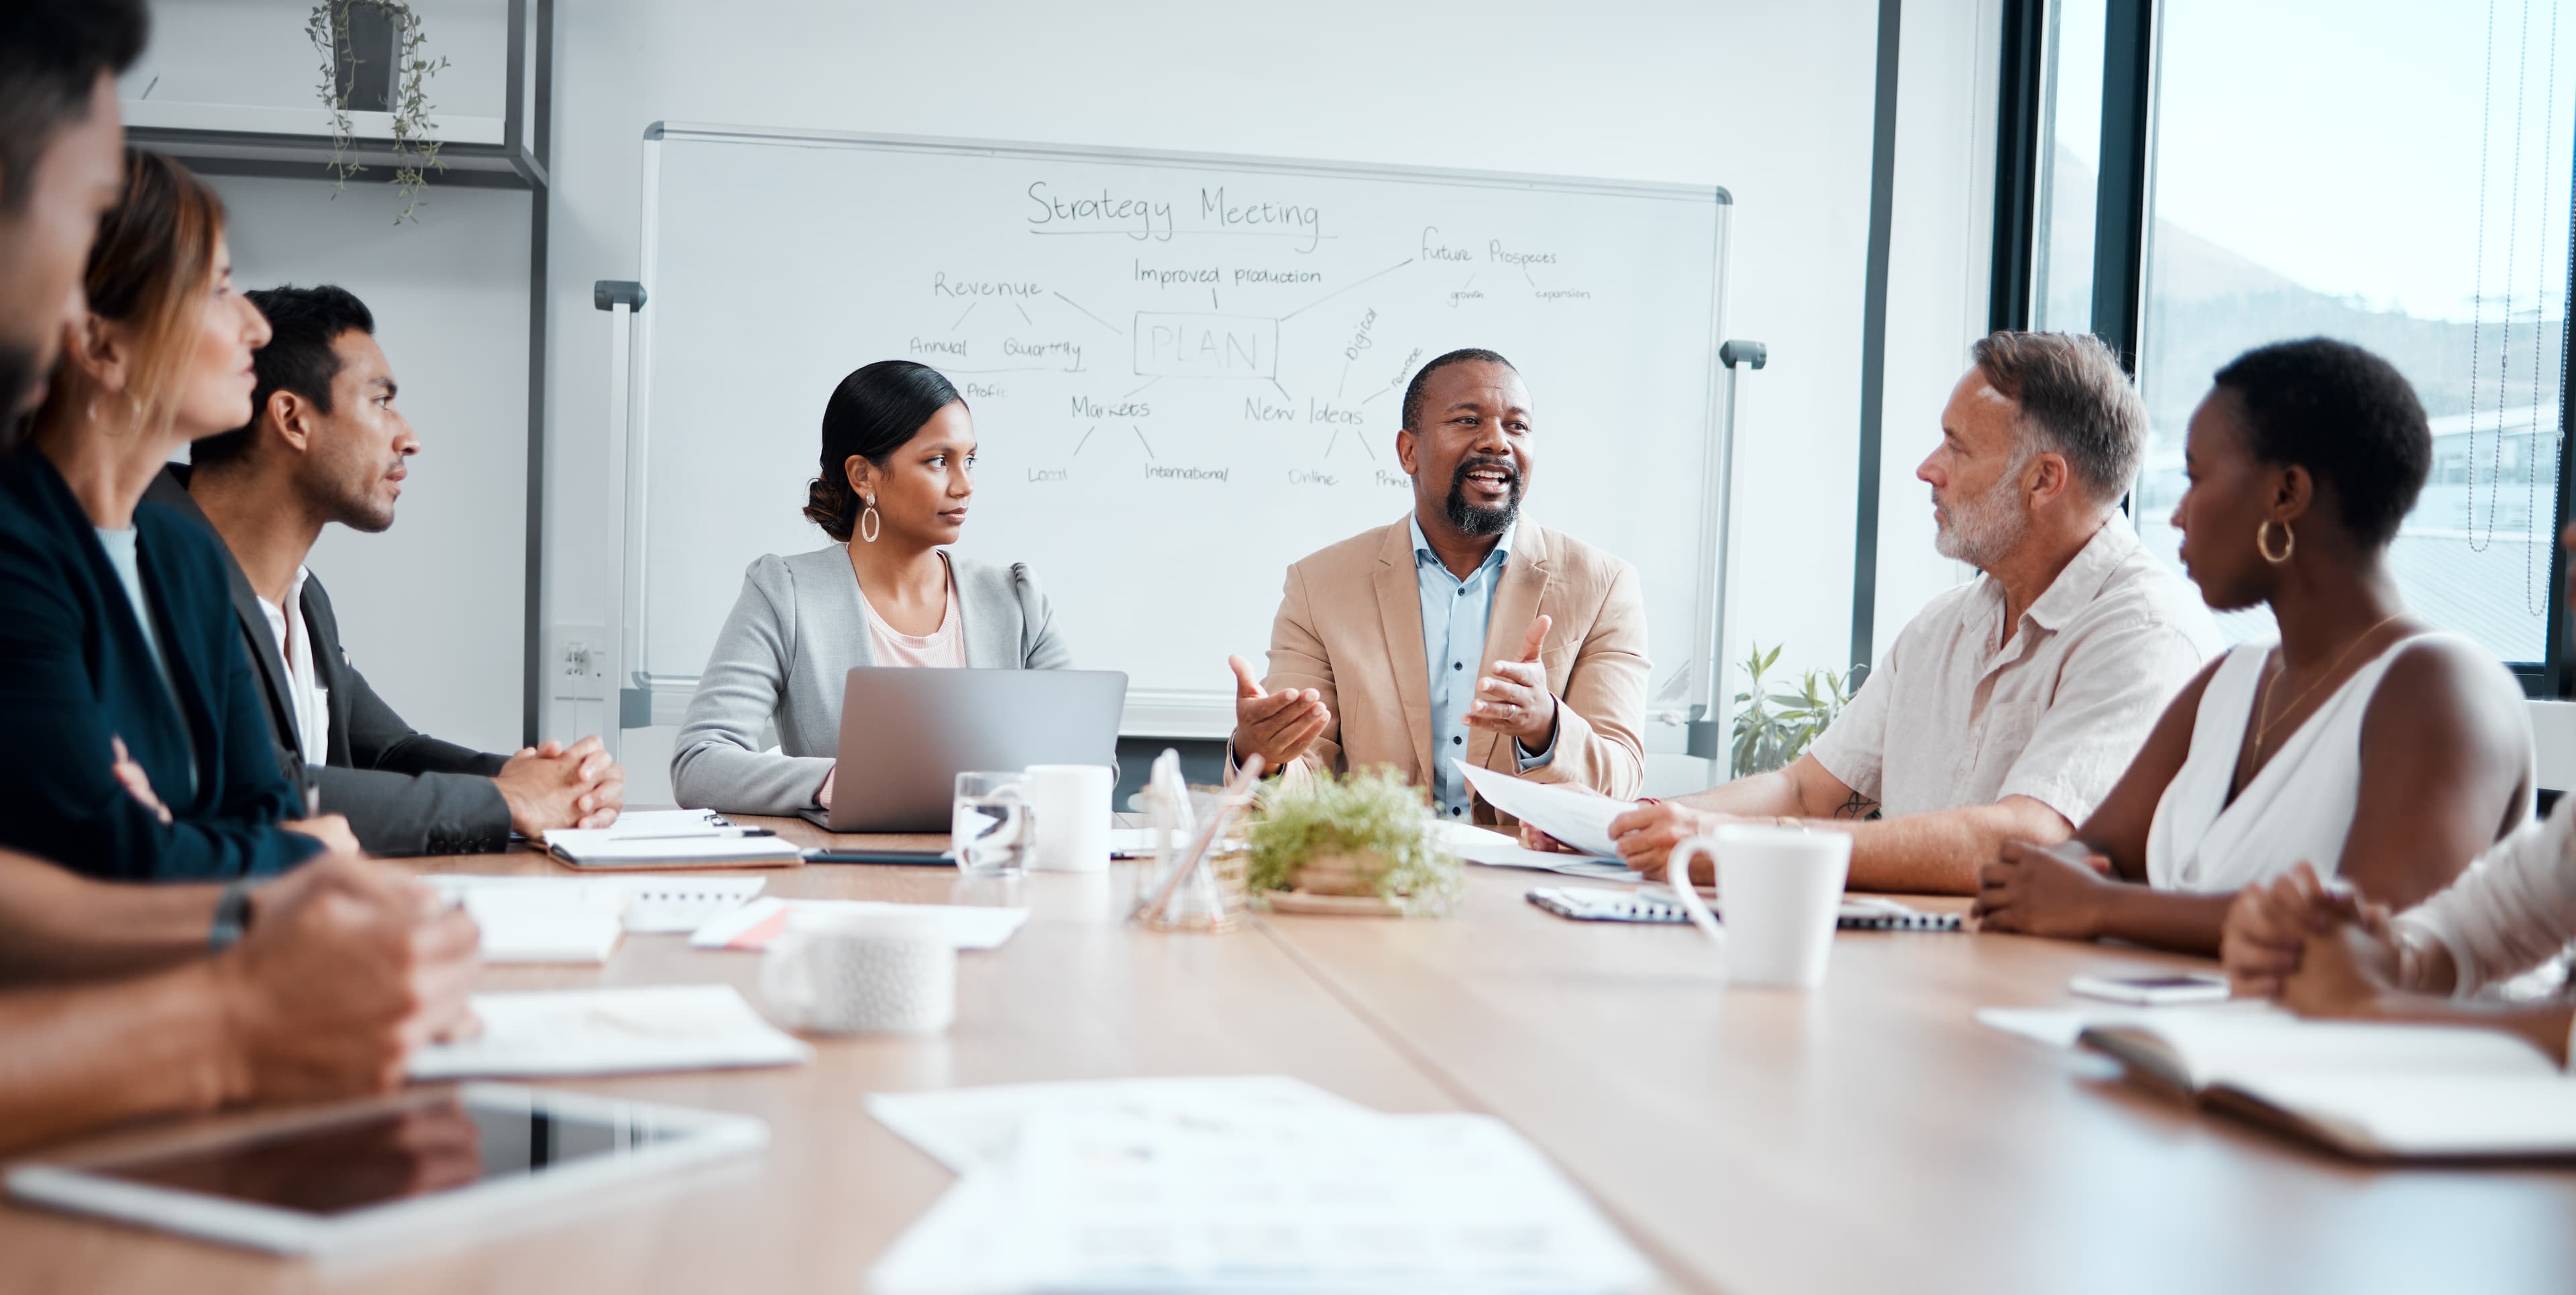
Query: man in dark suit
[325, 444]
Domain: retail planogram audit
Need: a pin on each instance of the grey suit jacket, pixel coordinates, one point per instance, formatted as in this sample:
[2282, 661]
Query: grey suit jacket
[402, 791]
[785, 655]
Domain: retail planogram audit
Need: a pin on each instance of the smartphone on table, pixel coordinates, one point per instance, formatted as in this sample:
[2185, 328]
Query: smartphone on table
[2168, 990]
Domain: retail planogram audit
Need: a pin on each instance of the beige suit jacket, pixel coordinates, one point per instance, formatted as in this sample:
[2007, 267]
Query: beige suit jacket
[1350, 627]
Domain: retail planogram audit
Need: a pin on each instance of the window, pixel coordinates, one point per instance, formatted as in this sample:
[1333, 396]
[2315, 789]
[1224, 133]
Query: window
[2390, 174]
[2070, 139]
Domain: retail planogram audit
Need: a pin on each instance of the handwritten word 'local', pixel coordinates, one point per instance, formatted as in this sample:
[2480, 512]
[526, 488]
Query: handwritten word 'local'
[1148, 219]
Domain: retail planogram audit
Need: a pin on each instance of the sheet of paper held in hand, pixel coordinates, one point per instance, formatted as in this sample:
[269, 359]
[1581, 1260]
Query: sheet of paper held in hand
[1580, 819]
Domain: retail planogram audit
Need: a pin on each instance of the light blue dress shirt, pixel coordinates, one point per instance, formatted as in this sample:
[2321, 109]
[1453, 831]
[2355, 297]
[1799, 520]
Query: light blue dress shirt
[1455, 617]
[124, 552]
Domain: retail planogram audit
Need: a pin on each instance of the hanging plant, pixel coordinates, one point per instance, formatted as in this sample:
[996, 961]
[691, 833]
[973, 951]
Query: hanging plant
[373, 54]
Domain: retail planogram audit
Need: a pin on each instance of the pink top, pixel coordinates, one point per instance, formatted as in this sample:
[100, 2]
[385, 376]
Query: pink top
[942, 647]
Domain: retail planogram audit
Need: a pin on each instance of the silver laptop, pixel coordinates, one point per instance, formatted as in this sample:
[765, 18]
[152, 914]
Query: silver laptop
[906, 734]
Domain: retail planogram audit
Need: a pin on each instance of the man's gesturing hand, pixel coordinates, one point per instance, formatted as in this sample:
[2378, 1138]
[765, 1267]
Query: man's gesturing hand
[1277, 726]
[1514, 699]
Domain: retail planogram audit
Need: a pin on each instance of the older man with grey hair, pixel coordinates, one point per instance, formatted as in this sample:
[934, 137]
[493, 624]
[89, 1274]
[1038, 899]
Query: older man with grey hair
[2009, 706]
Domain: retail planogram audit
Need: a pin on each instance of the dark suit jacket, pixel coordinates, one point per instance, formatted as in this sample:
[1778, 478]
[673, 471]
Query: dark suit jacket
[403, 792]
[76, 670]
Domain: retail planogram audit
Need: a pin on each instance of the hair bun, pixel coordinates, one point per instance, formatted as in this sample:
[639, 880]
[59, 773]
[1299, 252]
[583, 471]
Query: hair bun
[827, 504]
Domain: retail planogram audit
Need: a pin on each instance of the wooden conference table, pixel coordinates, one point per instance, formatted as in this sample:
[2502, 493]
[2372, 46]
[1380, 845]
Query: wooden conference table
[1866, 1137]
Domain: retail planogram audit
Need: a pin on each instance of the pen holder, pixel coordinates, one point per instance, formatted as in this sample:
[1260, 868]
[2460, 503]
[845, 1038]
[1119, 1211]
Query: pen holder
[1209, 900]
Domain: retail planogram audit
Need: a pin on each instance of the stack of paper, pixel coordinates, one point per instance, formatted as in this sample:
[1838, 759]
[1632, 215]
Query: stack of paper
[609, 1032]
[652, 903]
[1495, 850]
[1580, 819]
[1236, 1184]
[519, 924]
[751, 927]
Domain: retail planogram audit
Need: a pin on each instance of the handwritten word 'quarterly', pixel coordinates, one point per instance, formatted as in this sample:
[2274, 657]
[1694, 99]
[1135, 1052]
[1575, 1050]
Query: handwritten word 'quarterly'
[1138, 218]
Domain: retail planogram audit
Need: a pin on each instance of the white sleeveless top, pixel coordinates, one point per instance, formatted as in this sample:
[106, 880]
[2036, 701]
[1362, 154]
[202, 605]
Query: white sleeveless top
[2298, 807]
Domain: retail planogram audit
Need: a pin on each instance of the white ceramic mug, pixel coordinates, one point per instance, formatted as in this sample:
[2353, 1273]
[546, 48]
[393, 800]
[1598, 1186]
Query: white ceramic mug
[843, 973]
[1781, 889]
[1072, 806]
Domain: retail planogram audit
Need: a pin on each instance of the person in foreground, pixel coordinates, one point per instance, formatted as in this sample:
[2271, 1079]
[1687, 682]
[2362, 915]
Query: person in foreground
[112, 620]
[897, 475]
[112, 1007]
[326, 444]
[2008, 706]
[2325, 951]
[2388, 754]
[1369, 653]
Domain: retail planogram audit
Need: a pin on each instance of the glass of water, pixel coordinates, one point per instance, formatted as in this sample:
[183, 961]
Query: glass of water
[992, 831]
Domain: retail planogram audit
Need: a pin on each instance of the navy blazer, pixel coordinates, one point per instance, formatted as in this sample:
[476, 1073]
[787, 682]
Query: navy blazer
[76, 670]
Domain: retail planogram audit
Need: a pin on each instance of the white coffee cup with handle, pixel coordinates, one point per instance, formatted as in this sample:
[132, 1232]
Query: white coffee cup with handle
[882, 971]
[1071, 802]
[1781, 888]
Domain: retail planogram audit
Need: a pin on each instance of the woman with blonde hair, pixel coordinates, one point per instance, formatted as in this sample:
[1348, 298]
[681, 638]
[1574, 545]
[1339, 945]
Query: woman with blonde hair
[137, 748]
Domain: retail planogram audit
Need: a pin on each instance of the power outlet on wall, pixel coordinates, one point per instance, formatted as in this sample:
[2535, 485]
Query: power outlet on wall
[577, 665]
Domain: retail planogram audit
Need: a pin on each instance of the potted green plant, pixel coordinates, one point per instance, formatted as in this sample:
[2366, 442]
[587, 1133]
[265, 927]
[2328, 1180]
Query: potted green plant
[1363, 843]
[1774, 728]
[374, 60]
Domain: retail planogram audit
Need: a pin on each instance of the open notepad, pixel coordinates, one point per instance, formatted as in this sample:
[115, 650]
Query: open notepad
[610, 1032]
[2368, 1090]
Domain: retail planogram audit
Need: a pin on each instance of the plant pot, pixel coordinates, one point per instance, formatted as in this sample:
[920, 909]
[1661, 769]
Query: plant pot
[1341, 874]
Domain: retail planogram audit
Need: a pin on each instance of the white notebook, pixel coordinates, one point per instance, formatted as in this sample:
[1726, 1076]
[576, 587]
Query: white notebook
[582, 849]
[609, 1032]
[2369, 1090]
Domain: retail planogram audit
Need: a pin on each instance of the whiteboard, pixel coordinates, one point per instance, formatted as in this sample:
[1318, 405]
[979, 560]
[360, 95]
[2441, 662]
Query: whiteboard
[1185, 373]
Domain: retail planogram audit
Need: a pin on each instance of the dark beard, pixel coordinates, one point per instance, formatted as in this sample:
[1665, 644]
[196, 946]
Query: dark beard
[1471, 520]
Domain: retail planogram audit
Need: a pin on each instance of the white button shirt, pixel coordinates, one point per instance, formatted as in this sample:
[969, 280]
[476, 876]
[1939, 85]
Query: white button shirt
[311, 701]
[1957, 714]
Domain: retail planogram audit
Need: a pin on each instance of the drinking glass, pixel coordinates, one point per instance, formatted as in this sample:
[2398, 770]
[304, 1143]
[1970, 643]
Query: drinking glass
[992, 831]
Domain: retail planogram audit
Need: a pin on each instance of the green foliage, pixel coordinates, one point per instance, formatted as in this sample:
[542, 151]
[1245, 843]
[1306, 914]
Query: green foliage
[1774, 728]
[1372, 813]
[415, 153]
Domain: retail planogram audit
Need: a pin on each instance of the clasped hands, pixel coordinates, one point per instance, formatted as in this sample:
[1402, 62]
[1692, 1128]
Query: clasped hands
[1512, 698]
[2322, 950]
[551, 785]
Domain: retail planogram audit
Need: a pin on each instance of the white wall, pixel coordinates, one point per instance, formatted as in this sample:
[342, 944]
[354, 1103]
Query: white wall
[432, 609]
[1772, 101]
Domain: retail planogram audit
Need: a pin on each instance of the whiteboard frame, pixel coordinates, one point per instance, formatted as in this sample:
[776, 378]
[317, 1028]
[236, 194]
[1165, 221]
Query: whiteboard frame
[649, 697]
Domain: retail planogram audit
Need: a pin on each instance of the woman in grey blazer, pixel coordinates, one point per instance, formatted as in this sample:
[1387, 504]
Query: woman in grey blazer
[898, 450]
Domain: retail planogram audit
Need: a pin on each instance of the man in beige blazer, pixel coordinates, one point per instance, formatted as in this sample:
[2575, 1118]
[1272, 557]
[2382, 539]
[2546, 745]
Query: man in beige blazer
[1458, 631]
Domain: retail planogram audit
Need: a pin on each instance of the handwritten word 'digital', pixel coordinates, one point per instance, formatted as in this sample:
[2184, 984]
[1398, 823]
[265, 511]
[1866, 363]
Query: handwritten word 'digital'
[1137, 218]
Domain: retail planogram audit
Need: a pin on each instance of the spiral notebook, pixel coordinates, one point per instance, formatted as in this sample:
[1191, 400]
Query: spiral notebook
[1594, 904]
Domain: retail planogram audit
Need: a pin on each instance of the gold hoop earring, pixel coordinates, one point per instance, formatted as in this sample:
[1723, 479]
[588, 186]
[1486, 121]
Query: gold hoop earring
[2262, 545]
[869, 525]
